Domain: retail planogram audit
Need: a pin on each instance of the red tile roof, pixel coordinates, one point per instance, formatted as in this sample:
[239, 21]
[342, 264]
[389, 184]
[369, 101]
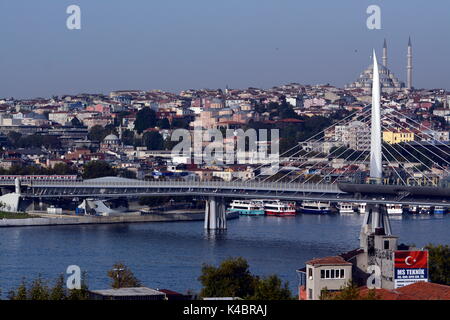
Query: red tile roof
[416, 291]
[328, 261]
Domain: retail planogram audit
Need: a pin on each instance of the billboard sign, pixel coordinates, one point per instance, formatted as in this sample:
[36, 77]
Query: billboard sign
[410, 267]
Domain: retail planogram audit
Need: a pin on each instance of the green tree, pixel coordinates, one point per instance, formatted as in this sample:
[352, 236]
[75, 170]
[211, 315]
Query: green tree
[122, 277]
[58, 292]
[348, 292]
[163, 123]
[153, 140]
[97, 169]
[38, 290]
[97, 133]
[145, 118]
[439, 263]
[231, 279]
[272, 288]
[21, 293]
[75, 122]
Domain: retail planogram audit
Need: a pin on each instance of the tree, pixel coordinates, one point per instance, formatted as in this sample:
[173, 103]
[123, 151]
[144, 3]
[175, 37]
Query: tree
[98, 133]
[97, 169]
[271, 288]
[153, 140]
[122, 277]
[348, 292]
[75, 122]
[145, 118]
[231, 279]
[128, 137]
[58, 292]
[163, 123]
[127, 174]
[439, 263]
[21, 293]
[38, 290]
[82, 293]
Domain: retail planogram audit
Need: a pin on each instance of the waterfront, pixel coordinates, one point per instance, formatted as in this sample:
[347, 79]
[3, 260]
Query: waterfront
[170, 255]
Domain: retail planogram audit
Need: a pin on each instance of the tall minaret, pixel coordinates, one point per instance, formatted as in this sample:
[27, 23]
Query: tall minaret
[409, 66]
[376, 168]
[385, 54]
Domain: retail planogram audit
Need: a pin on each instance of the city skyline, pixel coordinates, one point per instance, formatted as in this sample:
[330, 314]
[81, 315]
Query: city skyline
[174, 47]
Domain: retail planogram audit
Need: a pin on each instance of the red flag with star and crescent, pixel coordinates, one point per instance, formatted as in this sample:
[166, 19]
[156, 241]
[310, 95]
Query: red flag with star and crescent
[411, 259]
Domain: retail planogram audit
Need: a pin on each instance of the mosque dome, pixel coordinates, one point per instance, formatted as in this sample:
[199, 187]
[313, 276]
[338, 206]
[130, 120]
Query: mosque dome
[111, 138]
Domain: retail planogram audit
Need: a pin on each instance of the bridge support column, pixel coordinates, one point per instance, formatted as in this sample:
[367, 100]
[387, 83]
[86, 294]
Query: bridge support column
[215, 215]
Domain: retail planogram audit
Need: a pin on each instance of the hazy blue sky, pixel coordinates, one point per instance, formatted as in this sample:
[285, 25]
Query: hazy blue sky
[180, 44]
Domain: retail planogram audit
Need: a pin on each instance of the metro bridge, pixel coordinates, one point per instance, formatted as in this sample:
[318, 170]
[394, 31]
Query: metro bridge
[215, 192]
[375, 195]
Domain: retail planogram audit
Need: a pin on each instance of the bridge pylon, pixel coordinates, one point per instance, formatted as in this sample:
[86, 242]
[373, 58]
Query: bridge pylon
[215, 215]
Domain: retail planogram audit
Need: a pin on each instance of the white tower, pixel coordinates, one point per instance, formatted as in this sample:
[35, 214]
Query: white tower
[376, 169]
[385, 58]
[409, 66]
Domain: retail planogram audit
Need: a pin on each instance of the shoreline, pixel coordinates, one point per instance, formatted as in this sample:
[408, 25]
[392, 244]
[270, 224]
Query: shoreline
[53, 220]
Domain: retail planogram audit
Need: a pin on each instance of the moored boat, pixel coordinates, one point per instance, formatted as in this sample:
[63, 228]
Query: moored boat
[440, 210]
[247, 207]
[315, 207]
[394, 209]
[279, 208]
[345, 208]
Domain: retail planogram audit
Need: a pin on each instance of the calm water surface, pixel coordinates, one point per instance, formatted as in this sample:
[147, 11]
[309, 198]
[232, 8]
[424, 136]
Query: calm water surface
[170, 255]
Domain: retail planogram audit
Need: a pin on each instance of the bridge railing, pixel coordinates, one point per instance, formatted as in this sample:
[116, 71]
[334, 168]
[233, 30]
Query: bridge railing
[270, 186]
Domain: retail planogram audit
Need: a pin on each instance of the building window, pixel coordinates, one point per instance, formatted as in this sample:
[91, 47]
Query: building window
[310, 273]
[310, 294]
[386, 244]
[332, 274]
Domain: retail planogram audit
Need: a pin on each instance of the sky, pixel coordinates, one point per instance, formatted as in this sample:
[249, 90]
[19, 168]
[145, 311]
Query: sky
[179, 44]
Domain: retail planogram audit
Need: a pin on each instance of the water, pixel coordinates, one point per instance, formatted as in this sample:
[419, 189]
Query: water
[170, 255]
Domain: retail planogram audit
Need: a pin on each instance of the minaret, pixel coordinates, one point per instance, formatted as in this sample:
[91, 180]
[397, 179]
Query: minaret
[375, 137]
[409, 66]
[385, 54]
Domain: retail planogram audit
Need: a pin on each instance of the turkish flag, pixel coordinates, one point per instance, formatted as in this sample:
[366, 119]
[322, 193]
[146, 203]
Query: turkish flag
[411, 259]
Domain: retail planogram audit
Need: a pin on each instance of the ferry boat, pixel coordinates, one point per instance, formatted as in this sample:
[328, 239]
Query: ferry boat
[345, 208]
[279, 208]
[424, 210]
[394, 209]
[440, 210]
[316, 207]
[247, 207]
[362, 208]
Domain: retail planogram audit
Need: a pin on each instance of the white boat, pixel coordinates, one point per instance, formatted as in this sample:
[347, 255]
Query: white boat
[362, 208]
[345, 208]
[394, 209]
[247, 207]
[279, 208]
[316, 207]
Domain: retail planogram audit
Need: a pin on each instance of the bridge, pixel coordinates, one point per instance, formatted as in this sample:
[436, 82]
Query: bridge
[280, 185]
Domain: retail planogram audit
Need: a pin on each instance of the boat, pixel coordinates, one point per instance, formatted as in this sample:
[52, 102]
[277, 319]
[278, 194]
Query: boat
[345, 208]
[247, 207]
[424, 210]
[279, 208]
[394, 209]
[316, 207]
[440, 210]
[412, 209]
[362, 208]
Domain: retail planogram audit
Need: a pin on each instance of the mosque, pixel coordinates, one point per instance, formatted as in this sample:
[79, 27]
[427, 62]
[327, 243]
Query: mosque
[389, 82]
